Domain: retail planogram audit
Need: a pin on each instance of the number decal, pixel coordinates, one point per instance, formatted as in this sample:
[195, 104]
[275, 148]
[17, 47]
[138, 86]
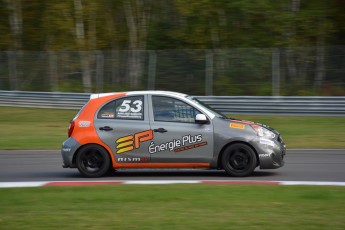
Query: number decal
[138, 104]
[126, 106]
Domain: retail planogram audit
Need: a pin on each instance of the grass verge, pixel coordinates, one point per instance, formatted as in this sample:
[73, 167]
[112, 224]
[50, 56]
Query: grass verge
[173, 207]
[306, 132]
[26, 128]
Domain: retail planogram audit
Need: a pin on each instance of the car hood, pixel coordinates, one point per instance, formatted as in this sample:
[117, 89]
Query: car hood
[254, 123]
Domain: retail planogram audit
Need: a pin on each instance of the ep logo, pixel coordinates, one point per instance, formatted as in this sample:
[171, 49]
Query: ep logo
[128, 143]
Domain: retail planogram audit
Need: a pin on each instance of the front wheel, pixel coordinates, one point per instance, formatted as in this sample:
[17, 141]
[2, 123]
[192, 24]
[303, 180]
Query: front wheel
[93, 161]
[239, 160]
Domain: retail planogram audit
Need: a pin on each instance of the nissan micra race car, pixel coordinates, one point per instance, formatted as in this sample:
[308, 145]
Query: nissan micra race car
[158, 129]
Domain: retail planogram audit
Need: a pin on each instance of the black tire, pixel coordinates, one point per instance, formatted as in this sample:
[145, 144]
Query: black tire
[239, 160]
[93, 161]
[111, 171]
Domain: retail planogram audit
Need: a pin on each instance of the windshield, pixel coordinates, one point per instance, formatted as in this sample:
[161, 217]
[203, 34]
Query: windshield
[207, 107]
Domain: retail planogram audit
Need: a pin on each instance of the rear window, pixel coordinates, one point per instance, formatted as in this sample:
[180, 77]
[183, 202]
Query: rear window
[128, 108]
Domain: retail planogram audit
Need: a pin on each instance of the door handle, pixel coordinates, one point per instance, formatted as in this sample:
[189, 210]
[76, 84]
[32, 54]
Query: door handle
[106, 128]
[160, 130]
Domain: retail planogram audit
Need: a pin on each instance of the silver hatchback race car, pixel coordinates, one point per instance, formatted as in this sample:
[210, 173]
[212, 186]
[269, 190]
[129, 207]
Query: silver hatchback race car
[158, 129]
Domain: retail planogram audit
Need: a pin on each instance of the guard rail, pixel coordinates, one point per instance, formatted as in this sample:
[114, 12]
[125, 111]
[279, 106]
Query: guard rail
[261, 105]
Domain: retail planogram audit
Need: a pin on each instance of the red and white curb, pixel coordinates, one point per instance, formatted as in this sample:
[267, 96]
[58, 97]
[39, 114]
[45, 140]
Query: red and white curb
[160, 182]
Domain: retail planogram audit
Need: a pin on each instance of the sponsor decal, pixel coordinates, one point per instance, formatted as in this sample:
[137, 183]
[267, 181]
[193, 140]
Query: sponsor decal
[66, 149]
[132, 159]
[108, 115]
[84, 124]
[178, 145]
[237, 126]
[265, 155]
[130, 142]
[243, 121]
[130, 115]
[191, 146]
[265, 141]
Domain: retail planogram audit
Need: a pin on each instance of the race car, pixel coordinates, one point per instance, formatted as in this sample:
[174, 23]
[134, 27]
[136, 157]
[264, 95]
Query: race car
[160, 129]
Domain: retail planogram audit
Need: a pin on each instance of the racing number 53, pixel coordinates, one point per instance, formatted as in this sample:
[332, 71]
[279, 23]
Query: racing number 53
[126, 106]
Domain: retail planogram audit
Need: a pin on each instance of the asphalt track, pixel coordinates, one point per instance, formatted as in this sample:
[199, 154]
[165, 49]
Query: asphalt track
[300, 165]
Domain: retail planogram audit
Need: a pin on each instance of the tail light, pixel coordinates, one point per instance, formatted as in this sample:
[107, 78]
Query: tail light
[70, 128]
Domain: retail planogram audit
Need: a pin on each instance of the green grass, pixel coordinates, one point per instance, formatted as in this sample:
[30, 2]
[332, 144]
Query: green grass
[173, 207]
[25, 128]
[306, 132]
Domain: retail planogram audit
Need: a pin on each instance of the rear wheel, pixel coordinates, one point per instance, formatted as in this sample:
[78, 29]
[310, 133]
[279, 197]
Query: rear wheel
[93, 161]
[239, 160]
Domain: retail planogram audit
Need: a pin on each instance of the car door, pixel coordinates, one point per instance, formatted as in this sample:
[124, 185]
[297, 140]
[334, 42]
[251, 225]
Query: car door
[177, 138]
[123, 125]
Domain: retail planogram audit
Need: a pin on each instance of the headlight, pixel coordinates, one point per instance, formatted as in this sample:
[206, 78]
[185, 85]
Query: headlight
[263, 132]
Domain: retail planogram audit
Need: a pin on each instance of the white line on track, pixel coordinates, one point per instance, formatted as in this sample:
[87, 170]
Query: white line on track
[21, 184]
[160, 182]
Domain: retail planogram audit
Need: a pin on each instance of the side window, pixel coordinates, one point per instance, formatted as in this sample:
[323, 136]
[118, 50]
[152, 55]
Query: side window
[128, 108]
[174, 110]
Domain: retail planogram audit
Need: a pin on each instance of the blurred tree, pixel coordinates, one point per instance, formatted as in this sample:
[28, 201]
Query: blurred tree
[310, 25]
[16, 22]
[58, 25]
[16, 27]
[138, 25]
[171, 24]
[164, 25]
[76, 25]
[138, 14]
[5, 38]
[82, 44]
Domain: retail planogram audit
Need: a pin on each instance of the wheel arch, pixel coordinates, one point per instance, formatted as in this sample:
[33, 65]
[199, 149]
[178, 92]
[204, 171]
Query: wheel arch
[74, 159]
[219, 159]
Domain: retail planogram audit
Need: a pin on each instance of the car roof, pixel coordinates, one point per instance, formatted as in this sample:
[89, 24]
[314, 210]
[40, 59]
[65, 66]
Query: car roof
[153, 92]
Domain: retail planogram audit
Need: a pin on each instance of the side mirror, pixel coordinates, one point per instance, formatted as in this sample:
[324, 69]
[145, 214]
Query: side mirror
[201, 119]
